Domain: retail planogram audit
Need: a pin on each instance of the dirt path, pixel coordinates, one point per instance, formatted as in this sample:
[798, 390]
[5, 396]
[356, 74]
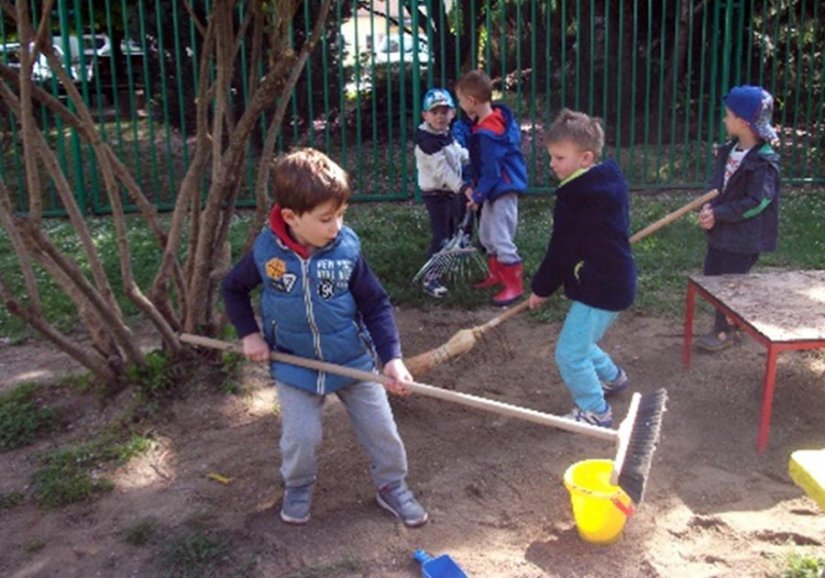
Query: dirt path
[492, 484]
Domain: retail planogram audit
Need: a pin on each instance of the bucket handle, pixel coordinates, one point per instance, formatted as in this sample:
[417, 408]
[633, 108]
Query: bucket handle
[627, 510]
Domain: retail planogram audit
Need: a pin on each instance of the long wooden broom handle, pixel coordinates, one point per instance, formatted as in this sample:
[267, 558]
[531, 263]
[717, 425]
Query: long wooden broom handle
[649, 230]
[465, 399]
[670, 217]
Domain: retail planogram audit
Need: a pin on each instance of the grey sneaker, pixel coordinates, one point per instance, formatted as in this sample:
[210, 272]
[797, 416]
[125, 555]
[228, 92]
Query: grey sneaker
[716, 341]
[296, 503]
[399, 501]
[601, 419]
[614, 386]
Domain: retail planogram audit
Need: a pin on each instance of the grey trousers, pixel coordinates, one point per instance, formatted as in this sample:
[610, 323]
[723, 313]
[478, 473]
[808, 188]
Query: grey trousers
[497, 228]
[371, 417]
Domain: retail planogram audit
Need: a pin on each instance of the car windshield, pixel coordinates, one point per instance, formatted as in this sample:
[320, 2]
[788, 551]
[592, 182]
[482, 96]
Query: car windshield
[393, 44]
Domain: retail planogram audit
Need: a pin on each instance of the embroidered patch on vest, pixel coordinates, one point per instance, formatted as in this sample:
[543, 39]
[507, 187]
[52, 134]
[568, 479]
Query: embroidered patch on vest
[285, 284]
[326, 288]
[333, 276]
[275, 268]
[279, 279]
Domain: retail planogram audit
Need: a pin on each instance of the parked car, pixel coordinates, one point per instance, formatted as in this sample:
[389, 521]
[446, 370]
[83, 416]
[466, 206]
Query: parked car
[42, 72]
[395, 48]
[99, 45]
[94, 48]
[10, 54]
[131, 47]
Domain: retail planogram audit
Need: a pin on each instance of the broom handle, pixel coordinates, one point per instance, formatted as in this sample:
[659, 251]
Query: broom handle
[501, 318]
[650, 229]
[465, 399]
[670, 217]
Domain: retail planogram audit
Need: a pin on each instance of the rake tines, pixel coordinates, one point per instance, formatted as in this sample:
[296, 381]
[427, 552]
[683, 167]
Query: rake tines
[458, 259]
[459, 263]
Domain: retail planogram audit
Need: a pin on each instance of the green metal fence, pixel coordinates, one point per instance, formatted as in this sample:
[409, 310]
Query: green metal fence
[655, 71]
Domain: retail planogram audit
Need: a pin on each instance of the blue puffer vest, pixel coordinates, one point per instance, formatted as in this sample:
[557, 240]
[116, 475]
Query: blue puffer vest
[308, 310]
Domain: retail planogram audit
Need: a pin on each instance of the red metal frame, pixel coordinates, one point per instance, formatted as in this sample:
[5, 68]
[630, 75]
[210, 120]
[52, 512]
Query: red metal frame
[773, 350]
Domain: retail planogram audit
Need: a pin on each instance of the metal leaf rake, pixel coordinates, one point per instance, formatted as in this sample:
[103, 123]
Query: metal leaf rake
[457, 259]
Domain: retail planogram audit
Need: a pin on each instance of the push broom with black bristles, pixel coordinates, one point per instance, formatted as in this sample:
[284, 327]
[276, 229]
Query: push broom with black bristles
[636, 437]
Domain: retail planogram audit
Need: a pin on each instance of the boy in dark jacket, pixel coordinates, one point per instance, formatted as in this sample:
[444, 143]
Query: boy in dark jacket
[320, 300]
[498, 174]
[589, 255]
[743, 221]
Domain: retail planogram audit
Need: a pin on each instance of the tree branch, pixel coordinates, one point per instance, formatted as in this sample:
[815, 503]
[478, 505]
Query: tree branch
[20, 250]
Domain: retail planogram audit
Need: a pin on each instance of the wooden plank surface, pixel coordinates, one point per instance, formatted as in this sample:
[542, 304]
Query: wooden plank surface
[784, 306]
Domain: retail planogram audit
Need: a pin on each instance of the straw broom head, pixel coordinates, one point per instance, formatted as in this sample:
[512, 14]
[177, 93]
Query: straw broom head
[459, 344]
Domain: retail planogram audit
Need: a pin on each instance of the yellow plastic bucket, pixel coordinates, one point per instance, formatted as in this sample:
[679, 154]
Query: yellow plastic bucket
[599, 508]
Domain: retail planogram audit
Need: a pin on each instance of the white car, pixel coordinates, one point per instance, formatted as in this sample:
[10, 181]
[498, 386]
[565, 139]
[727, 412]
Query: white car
[42, 72]
[96, 44]
[394, 49]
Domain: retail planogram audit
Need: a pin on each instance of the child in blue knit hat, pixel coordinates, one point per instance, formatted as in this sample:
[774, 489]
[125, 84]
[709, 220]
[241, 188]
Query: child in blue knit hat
[743, 221]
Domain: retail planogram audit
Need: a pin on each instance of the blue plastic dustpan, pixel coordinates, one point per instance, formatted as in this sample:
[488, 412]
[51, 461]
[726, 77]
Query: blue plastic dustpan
[441, 567]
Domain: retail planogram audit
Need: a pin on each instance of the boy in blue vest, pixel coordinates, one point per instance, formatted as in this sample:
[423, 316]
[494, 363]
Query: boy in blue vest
[589, 255]
[320, 300]
[743, 221]
[498, 174]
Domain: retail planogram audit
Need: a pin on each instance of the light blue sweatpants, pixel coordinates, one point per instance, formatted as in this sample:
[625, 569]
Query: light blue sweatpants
[371, 417]
[582, 364]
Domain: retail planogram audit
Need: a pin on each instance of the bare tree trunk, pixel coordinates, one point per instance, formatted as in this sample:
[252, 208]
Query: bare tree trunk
[181, 294]
[278, 82]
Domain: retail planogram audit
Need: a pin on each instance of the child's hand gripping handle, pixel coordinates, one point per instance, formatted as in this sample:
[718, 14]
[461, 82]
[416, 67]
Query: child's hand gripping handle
[696, 203]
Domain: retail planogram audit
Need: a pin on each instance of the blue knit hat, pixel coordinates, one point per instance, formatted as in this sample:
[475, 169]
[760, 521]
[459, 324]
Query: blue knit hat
[437, 97]
[754, 105]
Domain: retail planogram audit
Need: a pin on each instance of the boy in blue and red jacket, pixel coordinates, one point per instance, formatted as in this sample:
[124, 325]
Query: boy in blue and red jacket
[743, 221]
[498, 174]
[320, 300]
[589, 255]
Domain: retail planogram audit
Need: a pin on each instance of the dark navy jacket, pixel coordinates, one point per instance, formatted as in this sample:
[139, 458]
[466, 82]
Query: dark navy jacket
[497, 164]
[589, 251]
[327, 306]
[746, 213]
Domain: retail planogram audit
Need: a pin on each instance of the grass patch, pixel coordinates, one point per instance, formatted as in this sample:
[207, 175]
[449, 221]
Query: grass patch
[79, 382]
[394, 239]
[801, 566]
[156, 379]
[349, 566]
[141, 533]
[164, 377]
[34, 546]
[71, 475]
[202, 554]
[395, 236]
[23, 418]
[229, 368]
[11, 499]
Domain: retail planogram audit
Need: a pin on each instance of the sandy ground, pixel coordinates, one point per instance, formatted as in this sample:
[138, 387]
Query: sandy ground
[492, 484]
